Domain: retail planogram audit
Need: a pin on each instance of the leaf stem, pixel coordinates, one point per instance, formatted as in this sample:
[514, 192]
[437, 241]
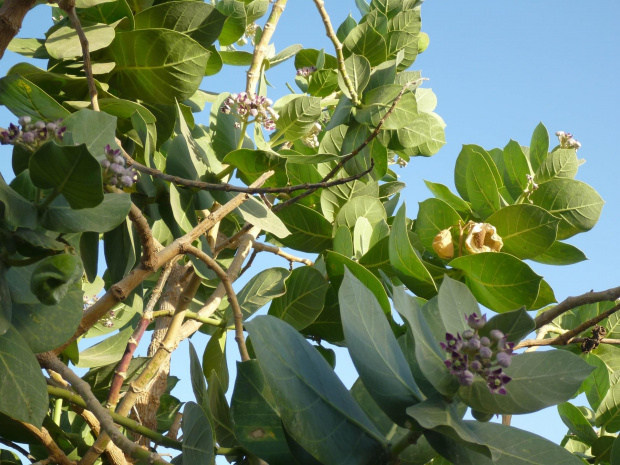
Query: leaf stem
[407, 440]
[50, 198]
[57, 411]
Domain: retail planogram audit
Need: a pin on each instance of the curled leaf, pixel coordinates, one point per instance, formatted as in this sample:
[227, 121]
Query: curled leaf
[54, 275]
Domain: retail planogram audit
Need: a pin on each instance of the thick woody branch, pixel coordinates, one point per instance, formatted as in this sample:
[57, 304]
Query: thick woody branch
[114, 454]
[56, 454]
[12, 14]
[121, 290]
[148, 242]
[329, 31]
[69, 7]
[232, 297]
[103, 415]
[260, 51]
[577, 301]
[569, 337]
[279, 252]
[534, 343]
[121, 369]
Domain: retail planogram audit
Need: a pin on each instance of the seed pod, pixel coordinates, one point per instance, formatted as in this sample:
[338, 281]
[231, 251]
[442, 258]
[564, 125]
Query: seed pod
[442, 244]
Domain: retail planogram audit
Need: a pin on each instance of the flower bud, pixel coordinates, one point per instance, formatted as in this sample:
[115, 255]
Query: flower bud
[503, 359]
[468, 334]
[126, 181]
[117, 169]
[473, 345]
[476, 322]
[442, 244]
[465, 378]
[486, 353]
[496, 335]
[28, 137]
[476, 365]
[39, 125]
[24, 120]
[105, 164]
[485, 341]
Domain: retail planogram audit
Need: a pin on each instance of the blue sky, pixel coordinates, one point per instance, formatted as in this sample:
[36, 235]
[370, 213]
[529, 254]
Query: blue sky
[498, 68]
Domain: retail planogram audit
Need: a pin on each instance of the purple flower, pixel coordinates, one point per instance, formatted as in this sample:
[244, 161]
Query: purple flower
[476, 365]
[476, 322]
[504, 359]
[28, 137]
[497, 380]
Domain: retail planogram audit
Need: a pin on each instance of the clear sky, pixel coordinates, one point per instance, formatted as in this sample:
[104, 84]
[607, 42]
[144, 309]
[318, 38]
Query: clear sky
[498, 68]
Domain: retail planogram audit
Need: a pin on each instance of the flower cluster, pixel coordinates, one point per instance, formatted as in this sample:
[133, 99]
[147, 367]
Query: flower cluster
[393, 159]
[312, 138]
[472, 355]
[108, 320]
[530, 187]
[306, 71]
[89, 301]
[114, 171]
[31, 135]
[567, 141]
[250, 33]
[245, 107]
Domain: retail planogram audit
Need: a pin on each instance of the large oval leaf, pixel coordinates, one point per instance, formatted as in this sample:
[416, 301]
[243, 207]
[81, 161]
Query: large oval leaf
[298, 116]
[375, 351]
[157, 65]
[527, 377]
[561, 163]
[20, 375]
[299, 377]
[481, 186]
[498, 280]
[262, 288]
[304, 298]
[310, 231]
[23, 98]
[197, 443]
[527, 230]
[65, 43]
[434, 215]
[578, 204]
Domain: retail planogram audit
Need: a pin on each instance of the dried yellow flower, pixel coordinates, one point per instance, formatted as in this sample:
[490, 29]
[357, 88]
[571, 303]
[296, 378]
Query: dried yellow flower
[442, 244]
[483, 238]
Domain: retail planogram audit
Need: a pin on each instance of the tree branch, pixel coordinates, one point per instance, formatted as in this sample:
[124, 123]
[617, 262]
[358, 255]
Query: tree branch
[260, 50]
[329, 31]
[18, 448]
[574, 302]
[69, 7]
[103, 415]
[147, 241]
[12, 14]
[232, 297]
[57, 455]
[569, 336]
[278, 251]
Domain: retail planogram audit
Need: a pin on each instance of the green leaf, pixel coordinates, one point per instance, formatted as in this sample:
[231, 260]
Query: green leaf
[261, 289]
[64, 42]
[16, 210]
[304, 298]
[298, 376]
[336, 265]
[310, 231]
[200, 21]
[561, 253]
[377, 102]
[374, 350]
[444, 193]
[364, 40]
[254, 163]
[255, 212]
[197, 443]
[104, 217]
[20, 375]
[428, 353]
[298, 116]
[108, 13]
[615, 453]
[222, 420]
[199, 385]
[358, 70]
[515, 325]
[561, 163]
[462, 162]
[214, 357]
[23, 98]
[96, 129]
[156, 77]
[456, 303]
[437, 415]
[71, 171]
[236, 57]
[119, 248]
[108, 351]
[284, 54]
[32, 48]
[498, 280]
[597, 384]
[601, 448]
[517, 168]
[257, 426]
[434, 215]
[481, 186]
[356, 137]
[527, 230]
[578, 204]
[309, 57]
[367, 207]
[406, 261]
[527, 377]
[608, 412]
[577, 423]
[53, 277]
[539, 146]
[6, 305]
[323, 82]
[235, 24]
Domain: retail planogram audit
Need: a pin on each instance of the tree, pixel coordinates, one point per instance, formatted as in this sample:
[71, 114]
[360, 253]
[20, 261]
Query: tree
[106, 151]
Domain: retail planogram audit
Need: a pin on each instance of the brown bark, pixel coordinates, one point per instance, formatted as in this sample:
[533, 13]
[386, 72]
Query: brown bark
[12, 14]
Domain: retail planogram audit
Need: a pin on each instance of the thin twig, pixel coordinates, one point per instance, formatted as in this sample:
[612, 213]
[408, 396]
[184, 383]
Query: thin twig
[232, 297]
[577, 301]
[108, 427]
[329, 31]
[18, 448]
[121, 369]
[69, 7]
[44, 437]
[261, 48]
[192, 316]
[250, 262]
[281, 253]
[569, 336]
